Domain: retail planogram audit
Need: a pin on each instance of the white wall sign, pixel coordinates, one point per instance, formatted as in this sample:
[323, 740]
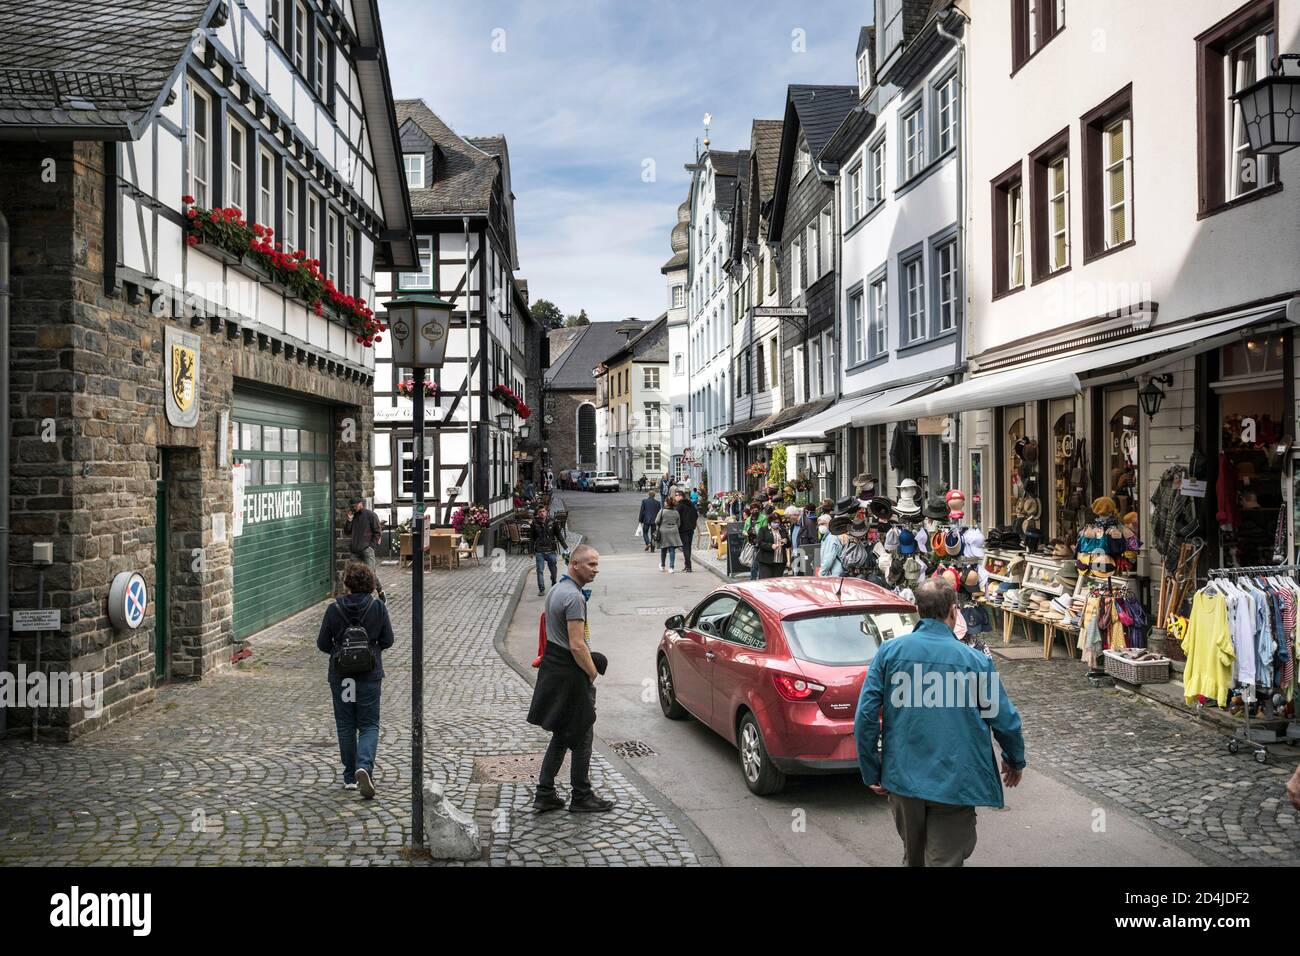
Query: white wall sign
[31, 619]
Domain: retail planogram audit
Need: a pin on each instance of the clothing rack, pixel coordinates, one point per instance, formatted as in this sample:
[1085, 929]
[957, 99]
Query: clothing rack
[1096, 674]
[1242, 733]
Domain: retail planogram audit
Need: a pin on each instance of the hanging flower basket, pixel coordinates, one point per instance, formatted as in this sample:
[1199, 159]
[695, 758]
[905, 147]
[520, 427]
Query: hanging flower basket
[407, 388]
[227, 230]
[507, 395]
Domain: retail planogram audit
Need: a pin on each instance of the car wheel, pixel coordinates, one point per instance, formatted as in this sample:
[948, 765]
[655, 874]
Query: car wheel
[760, 775]
[667, 694]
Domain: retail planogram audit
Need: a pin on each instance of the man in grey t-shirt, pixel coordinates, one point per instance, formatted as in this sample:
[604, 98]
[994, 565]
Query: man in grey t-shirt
[557, 691]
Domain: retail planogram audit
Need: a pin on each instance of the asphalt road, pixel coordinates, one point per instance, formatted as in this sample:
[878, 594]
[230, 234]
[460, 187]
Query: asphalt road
[821, 820]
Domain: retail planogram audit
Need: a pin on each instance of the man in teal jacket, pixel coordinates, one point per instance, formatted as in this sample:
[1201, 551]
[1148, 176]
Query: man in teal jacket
[935, 700]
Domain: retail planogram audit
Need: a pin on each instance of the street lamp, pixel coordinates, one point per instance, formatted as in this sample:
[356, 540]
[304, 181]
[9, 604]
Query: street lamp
[504, 421]
[419, 326]
[523, 432]
[1271, 107]
[1151, 396]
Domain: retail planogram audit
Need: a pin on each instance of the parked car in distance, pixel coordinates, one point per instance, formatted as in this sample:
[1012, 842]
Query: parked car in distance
[602, 481]
[776, 666]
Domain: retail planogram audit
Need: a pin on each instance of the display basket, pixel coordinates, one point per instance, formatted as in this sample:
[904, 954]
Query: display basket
[1136, 672]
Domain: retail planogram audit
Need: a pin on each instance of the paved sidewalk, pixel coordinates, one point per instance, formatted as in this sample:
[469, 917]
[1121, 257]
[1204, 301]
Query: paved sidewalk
[242, 767]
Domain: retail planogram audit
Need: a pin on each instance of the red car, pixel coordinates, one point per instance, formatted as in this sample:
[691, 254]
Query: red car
[776, 666]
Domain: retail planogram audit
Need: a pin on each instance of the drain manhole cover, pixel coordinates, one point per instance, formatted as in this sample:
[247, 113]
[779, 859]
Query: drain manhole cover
[508, 768]
[627, 749]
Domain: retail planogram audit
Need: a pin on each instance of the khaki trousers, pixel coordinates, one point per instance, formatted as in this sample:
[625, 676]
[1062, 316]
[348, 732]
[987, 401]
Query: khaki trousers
[934, 834]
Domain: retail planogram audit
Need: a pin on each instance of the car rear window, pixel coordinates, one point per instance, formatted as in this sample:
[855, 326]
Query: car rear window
[843, 639]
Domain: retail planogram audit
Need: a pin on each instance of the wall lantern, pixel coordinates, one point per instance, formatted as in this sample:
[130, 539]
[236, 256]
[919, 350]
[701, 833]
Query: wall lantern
[505, 420]
[418, 327]
[1151, 396]
[1271, 107]
[523, 432]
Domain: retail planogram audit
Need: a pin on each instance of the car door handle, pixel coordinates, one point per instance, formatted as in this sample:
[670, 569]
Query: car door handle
[709, 655]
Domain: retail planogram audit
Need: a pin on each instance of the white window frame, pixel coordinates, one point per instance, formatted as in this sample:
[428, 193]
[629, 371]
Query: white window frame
[348, 257]
[946, 114]
[914, 300]
[679, 296]
[652, 378]
[802, 162]
[774, 362]
[815, 368]
[879, 303]
[863, 79]
[1109, 203]
[236, 165]
[275, 21]
[266, 187]
[652, 415]
[814, 251]
[826, 234]
[320, 81]
[291, 187]
[946, 278]
[406, 453]
[856, 198]
[300, 18]
[200, 148]
[797, 355]
[913, 124]
[796, 269]
[331, 246]
[828, 363]
[1015, 235]
[313, 226]
[1237, 143]
[415, 181]
[1058, 213]
[876, 164]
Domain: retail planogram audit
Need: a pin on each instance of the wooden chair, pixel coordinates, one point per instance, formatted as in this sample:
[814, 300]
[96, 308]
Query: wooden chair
[562, 519]
[441, 551]
[469, 551]
[513, 537]
[404, 551]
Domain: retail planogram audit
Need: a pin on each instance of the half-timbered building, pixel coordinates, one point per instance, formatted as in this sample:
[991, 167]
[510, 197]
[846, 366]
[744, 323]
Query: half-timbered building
[463, 210]
[199, 194]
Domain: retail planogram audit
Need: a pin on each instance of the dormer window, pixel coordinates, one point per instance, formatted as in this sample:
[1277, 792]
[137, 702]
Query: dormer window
[414, 165]
[864, 76]
[802, 162]
[889, 31]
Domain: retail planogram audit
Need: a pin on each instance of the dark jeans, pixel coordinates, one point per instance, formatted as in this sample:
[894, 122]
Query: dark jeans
[645, 533]
[754, 566]
[688, 539]
[357, 722]
[549, 558]
[579, 768]
[770, 570]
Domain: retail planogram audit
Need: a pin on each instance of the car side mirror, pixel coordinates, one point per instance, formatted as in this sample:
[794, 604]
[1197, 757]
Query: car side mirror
[675, 623]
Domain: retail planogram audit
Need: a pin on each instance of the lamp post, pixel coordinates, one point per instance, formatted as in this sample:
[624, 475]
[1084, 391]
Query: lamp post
[419, 327]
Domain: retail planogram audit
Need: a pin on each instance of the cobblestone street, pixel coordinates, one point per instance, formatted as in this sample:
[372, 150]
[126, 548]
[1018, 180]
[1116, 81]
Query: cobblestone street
[1177, 774]
[243, 766]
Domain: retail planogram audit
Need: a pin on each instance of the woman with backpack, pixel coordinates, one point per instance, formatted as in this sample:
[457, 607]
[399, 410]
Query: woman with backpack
[354, 633]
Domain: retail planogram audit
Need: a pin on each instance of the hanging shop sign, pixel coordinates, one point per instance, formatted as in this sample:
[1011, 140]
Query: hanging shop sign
[182, 355]
[128, 599]
[932, 425]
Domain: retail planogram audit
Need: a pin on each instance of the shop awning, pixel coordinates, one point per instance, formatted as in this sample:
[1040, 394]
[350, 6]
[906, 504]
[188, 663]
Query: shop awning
[842, 413]
[1059, 377]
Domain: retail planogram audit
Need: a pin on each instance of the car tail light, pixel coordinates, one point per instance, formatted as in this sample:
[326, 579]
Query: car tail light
[797, 688]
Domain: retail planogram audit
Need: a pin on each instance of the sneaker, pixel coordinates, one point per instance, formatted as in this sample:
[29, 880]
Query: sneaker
[542, 804]
[383, 598]
[541, 593]
[350, 786]
[365, 785]
[590, 804]
[670, 570]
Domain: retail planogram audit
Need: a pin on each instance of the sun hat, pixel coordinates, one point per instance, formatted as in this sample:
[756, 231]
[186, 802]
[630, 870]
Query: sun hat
[913, 568]
[880, 508]
[937, 509]
[891, 540]
[847, 505]
[973, 543]
[839, 524]
[936, 544]
[953, 542]
[907, 542]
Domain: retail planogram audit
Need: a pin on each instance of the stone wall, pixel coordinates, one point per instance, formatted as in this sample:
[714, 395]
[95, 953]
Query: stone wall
[89, 436]
[562, 434]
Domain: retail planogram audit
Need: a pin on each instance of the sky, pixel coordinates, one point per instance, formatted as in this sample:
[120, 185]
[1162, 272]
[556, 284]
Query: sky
[601, 103]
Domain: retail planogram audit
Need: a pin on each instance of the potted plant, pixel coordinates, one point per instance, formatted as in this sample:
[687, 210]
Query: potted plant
[407, 388]
[470, 520]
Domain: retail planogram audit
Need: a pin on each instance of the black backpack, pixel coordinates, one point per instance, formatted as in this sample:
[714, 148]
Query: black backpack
[859, 558]
[352, 651]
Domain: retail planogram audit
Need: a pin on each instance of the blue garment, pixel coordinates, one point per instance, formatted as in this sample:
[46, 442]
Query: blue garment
[936, 747]
[671, 555]
[650, 508]
[357, 723]
[376, 622]
[549, 558]
[832, 548]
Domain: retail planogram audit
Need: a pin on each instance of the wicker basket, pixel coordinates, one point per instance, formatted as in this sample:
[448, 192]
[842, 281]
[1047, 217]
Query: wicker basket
[1136, 672]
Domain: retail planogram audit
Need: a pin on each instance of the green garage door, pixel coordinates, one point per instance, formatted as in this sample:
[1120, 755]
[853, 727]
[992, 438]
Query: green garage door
[283, 552]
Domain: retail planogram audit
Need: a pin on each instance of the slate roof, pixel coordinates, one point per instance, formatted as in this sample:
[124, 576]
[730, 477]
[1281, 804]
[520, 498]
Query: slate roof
[648, 345]
[727, 186]
[821, 109]
[765, 150]
[465, 173]
[596, 343]
[121, 56]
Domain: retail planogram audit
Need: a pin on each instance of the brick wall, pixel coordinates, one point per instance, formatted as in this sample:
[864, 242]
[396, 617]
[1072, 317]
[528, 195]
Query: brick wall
[562, 434]
[90, 432]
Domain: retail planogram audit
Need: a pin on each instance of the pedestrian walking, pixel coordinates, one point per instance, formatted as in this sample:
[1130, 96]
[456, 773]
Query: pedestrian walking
[832, 550]
[695, 497]
[564, 698]
[688, 519]
[773, 546]
[366, 531]
[646, 519]
[355, 632]
[933, 790]
[547, 535]
[669, 524]
[663, 487]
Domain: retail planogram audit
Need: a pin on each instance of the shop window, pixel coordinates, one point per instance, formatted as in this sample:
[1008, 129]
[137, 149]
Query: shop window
[1256, 356]
[1065, 511]
[974, 505]
[1251, 491]
[1014, 424]
[1122, 450]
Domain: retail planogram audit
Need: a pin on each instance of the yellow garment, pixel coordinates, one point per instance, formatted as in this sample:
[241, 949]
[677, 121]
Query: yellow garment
[1209, 651]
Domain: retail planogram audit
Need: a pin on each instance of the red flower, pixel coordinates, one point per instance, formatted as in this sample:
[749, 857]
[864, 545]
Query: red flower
[187, 199]
[257, 229]
[191, 240]
[193, 213]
